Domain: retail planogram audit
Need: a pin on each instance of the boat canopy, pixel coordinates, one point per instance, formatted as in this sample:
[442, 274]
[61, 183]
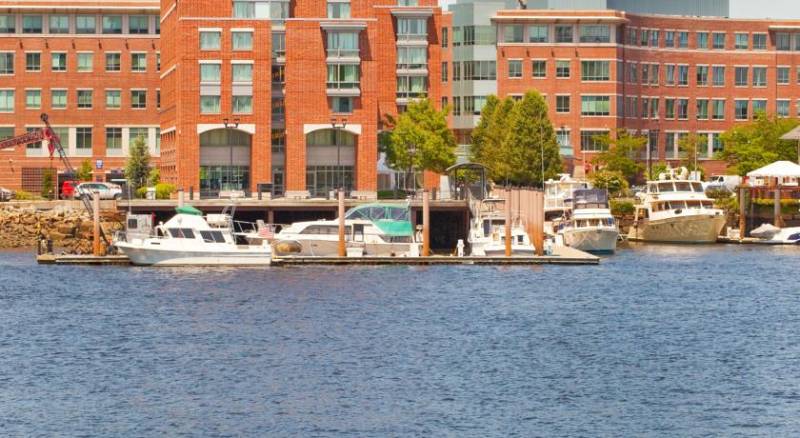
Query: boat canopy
[590, 196]
[393, 220]
[188, 209]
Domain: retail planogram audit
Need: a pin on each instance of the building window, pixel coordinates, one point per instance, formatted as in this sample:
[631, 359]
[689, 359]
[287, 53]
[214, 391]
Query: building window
[112, 24]
[83, 138]
[31, 24]
[683, 39]
[515, 68]
[538, 33]
[136, 134]
[210, 40]
[562, 104]
[210, 73]
[138, 62]
[113, 62]
[759, 105]
[113, 139]
[278, 140]
[741, 76]
[512, 33]
[412, 58]
[595, 33]
[85, 61]
[411, 87]
[58, 99]
[759, 76]
[718, 109]
[669, 74]
[718, 73]
[562, 69]
[33, 61]
[480, 70]
[645, 37]
[682, 106]
[654, 108]
[445, 38]
[645, 73]
[209, 104]
[563, 33]
[242, 40]
[342, 105]
[783, 75]
[654, 74]
[338, 9]
[591, 141]
[669, 38]
[84, 99]
[564, 143]
[343, 76]
[783, 108]
[245, 9]
[139, 24]
[456, 71]
[782, 41]
[654, 38]
[702, 75]
[539, 68]
[58, 24]
[138, 99]
[444, 72]
[741, 109]
[278, 109]
[412, 29]
[158, 61]
[278, 44]
[158, 99]
[85, 24]
[242, 104]
[242, 72]
[702, 109]
[6, 63]
[596, 70]
[683, 75]
[742, 41]
[595, 105]
[113, 99]
[719, 40]
[58, 61]
[8, 24]
[702, 40]
[669, 110]
[33, 99]
[759, 41]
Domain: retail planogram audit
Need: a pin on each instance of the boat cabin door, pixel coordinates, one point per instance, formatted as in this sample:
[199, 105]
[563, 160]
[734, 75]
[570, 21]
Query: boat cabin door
[358, 233]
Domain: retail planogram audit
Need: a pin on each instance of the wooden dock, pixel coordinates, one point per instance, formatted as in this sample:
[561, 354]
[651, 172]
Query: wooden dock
[65, 259]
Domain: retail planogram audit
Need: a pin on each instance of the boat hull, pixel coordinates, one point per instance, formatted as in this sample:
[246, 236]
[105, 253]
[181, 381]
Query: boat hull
[330, 248]
[594, 240]
[683, 229]
[143, 256]
[499, 250]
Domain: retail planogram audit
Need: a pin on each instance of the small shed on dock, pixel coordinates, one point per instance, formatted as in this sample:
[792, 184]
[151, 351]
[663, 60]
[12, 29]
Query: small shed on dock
[786, 172]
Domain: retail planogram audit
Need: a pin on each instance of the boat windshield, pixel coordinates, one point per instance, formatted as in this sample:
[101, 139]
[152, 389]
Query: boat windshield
[697, 187]
[393, 220]
[490, 224]
[683, 186]
[665, 187]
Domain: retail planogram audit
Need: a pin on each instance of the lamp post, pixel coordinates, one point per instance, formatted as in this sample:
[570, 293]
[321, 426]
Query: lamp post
[228, 125]
[336, 126]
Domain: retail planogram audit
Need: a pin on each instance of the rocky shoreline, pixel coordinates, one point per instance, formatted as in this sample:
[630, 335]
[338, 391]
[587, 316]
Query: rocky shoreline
[69, 228]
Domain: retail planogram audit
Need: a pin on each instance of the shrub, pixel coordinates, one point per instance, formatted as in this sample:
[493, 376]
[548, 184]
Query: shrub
[164, 190]
[141, 192]
[622, 208]
[22, 195]
[614, 182]
[719, 193]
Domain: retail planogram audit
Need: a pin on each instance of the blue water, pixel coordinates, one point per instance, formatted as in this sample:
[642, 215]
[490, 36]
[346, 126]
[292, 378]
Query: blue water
[656, 341]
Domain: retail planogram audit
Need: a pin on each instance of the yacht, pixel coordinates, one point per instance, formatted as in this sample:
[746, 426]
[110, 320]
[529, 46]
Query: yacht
[487, 234]
[677, 210]
[588, 224]
[188, 239]
[377, 229]
[556, 198]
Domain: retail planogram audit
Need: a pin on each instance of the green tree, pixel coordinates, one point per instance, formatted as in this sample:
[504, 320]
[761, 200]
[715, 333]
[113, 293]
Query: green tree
[655, 170]
[154, 177]
[84, 173]
[488, 148]
[756, 144]
[137, 167]
[421, 139]
[48, 183]
[691, 148]
[613, 181]
[620, 154]
[531, 139]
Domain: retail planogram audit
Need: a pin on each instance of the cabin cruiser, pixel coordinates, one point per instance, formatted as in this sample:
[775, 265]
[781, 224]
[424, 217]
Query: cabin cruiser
[676, 210]
[188, 239]
[588, 225]
[771, 234]
[557, 195]
[380, 230]
[487, 234]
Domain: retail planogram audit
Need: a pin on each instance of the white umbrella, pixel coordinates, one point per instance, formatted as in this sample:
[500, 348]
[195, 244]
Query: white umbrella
[778, 169]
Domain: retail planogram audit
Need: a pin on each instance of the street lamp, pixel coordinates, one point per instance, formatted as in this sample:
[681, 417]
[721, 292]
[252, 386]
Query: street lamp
[336, 126]
[228, 125]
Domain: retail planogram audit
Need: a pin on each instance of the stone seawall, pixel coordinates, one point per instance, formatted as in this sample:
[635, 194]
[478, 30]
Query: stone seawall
[69, 226]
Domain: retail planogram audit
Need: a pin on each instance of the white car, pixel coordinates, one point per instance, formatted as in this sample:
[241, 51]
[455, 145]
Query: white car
[6, 195]
[107, 190]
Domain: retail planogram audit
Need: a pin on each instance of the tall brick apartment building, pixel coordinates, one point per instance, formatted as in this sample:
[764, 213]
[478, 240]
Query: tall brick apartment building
[93, 67]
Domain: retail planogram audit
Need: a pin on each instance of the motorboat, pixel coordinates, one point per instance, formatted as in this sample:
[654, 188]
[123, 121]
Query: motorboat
[675, 209]
[188, 239]
[588, 224]
[771, 234]
[376, 229]
[487, 234]
[557, 195]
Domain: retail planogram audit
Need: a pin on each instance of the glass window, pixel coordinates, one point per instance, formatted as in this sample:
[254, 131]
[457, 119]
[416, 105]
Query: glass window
[683, 75]
[512, 33]
[59, 24]
[210, 40]
[742, 41]
[411, 87]
[718, 75]
[138, 99]
[139, 24]
[480, 70]
[683, 40]
[58, 61]
[759, 76]
[445, 37]
[342, 105]
[338, 10]
[8, 24]
[33, 99]
[591, 141]
[242, 72]
[783, 108]
[538, 33]
[539, 68]
[596, 71]
[113, 62]
[682, 106]
[782, 41]
[719, 40]
[112, 24]
[759, 41]
[83, 138]
[445, 77]
[114, 139]
[562, 104]
[244, 9]
[759, 105]
[242, 104]
[138, 133]
[84, 98]
[562, 69]
[595, 105]
[563, 33]
[58, 99]
[669, 110]
[718, 109]
[669, 74]
[702, 75]
[31, 24]
[702, 40]
[210, 72]
[595, 33]
[515, 68]
[741, 109]
[702, 109]
[209, 104]
[113, 99]
[85, 61]
[85, 24]
[242, 40]
[138, 62]
[669, 38]
[412, 29]
[278, 44]
[783, 75]
[33, 62]
[741, 76]
[412, 57]
[344, 76]
[6, 63]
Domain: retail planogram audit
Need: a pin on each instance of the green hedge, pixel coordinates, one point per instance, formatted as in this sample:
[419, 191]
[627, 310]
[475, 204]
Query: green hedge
[621, 208]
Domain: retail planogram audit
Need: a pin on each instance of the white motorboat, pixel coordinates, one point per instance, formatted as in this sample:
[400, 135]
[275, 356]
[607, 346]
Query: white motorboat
[487, 234]
[556, 198]
[676, 210]
[187, 239]
[381, 230]
[770, 234]
[589, 225]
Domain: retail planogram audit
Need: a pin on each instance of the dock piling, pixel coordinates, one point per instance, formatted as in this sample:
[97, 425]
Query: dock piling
[742, 212]
[96, 249]
[508, 223]
[342, 248]
[538, 222]
[426, 223]
[777, 208]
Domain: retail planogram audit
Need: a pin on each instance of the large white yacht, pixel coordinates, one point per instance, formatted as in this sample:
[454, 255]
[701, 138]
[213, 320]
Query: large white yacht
[372, 229]
[675, 209]
[187, 239]
[487, 234]
[589, 225]
[557, 194]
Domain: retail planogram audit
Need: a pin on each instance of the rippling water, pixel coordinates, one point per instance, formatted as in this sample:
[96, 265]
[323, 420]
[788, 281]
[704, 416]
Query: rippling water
[656, 341]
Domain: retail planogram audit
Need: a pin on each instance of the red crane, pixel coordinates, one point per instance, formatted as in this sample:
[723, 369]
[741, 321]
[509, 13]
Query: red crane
[54, 145]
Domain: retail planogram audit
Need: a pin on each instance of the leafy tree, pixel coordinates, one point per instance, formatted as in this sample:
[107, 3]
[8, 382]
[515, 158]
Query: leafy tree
[691, 147]
[620, 153]
[137, 168]
[84, 173]
[613, 181]
[421, 139]
[48, 184]
[488, 147]
[756, 144]
[154, 177]
[531, 139]
[480, 135]
[656, 169]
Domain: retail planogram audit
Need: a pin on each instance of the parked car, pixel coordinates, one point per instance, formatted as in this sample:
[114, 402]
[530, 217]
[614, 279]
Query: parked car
[107, 190]
[6, 195]
[68, 189]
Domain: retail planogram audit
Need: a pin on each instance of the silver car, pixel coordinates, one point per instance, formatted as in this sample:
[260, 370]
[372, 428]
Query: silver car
[107, 190]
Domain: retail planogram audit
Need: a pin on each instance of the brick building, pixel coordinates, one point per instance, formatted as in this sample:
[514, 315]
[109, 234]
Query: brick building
[93, 68]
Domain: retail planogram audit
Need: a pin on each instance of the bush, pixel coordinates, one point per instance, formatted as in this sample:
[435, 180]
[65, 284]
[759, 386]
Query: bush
[622, 208]
[164, 190]
[719, 193]
[729, 204]
[22, 195]
[614, 182]
[141, 192]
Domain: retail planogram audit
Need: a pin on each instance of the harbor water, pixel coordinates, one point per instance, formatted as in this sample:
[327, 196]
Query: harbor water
[658, 340]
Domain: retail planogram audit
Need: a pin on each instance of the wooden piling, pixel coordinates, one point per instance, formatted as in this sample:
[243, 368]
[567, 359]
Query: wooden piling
[538, 222]
[426, 223]
[97, 250]
[342, 247]
[742, 212]
[180, 197]
[777, 206]
[508, 223]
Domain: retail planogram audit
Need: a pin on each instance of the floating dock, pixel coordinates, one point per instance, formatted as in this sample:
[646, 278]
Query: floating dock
[65, 259]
